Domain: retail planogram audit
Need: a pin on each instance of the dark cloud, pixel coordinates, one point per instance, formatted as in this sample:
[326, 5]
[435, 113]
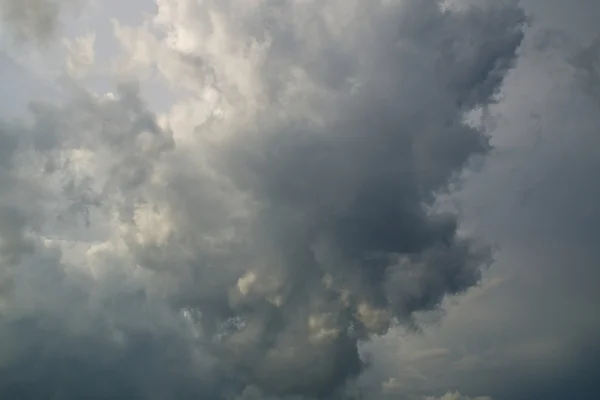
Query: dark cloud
[530, 331]
[341, 243]
[255, 267]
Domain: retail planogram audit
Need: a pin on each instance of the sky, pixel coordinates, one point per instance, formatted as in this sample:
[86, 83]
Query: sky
[299, 199]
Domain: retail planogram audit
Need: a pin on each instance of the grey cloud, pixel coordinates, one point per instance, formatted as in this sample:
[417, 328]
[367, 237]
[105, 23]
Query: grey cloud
[64, 332]
[532, 335]
[340, 207]
[288, 244]
[33, 20]
[576, 18]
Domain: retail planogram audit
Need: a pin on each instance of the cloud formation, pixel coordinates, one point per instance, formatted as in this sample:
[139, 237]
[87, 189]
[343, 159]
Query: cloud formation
[244, 244]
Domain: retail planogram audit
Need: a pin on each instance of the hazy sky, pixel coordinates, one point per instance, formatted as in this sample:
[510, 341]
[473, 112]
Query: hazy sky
[299, 200]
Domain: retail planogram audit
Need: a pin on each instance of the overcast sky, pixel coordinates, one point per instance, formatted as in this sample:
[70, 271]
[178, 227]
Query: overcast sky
[299, 200]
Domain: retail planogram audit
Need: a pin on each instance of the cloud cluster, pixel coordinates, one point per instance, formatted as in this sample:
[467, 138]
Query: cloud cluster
[245, 243]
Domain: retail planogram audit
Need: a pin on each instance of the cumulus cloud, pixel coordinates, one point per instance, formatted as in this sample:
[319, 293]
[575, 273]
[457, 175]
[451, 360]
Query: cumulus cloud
[244, 244]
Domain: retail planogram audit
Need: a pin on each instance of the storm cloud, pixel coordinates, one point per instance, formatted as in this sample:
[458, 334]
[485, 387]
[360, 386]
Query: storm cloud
[247, 241]
[529, 331]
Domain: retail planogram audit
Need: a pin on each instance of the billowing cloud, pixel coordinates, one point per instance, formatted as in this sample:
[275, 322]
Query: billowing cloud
[246, 242]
